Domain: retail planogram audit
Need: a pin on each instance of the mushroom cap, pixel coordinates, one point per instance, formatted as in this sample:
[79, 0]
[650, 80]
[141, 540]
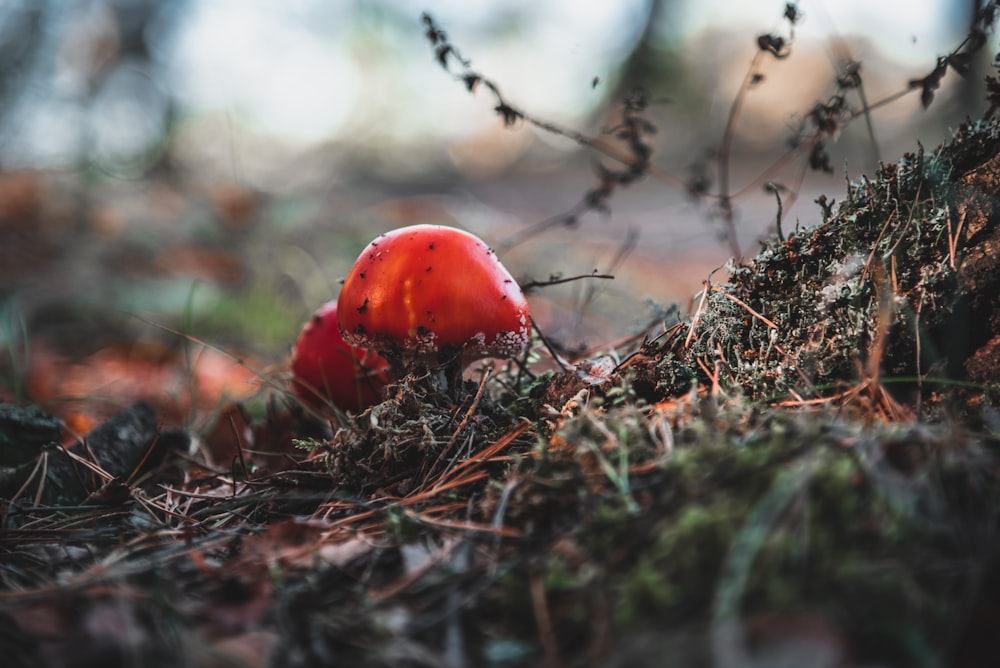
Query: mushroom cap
[325, 369]
[425, 289]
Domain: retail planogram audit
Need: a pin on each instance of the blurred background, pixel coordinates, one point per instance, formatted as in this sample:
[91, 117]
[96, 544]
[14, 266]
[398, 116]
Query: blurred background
[179, 172]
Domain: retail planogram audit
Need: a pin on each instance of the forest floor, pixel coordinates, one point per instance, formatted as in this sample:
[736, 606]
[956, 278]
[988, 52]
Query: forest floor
[778, 477]
[793, 461]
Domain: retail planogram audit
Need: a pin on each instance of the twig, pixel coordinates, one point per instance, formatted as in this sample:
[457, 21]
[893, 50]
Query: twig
[563, 365]
[487, 453]
[473, 405]
[953, 239]
[726, 146]
[559, 281]
[238, 439]
[546, 632]
[697, 314]
[777, 222]
[40, 464]
[871, 255]
[736, 300]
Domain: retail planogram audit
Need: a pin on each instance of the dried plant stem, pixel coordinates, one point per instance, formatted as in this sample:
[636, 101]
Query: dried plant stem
[742, 304]
[543, 620]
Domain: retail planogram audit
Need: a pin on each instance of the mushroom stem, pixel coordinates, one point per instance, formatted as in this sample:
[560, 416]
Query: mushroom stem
[444, 376]
[440, 374]
[451, 369]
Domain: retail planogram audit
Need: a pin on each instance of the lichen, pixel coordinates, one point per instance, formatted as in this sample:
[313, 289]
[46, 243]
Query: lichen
[880, 283]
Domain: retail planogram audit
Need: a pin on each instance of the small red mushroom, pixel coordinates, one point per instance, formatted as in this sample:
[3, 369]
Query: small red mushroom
[430, 292]
[327, 370]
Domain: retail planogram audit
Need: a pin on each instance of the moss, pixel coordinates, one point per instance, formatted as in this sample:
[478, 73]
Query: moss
[881, 280]
[677, 572]
[778, 511]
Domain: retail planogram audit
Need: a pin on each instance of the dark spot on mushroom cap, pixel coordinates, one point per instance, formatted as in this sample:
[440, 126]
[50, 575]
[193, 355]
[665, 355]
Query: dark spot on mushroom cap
[428, 269]
[423, 331]
[364, 306]
[361, 274]
[360, 330]
[430, 246]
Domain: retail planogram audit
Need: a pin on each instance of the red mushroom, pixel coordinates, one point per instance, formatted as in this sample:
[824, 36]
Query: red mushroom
[327, 370]
[430, 292]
